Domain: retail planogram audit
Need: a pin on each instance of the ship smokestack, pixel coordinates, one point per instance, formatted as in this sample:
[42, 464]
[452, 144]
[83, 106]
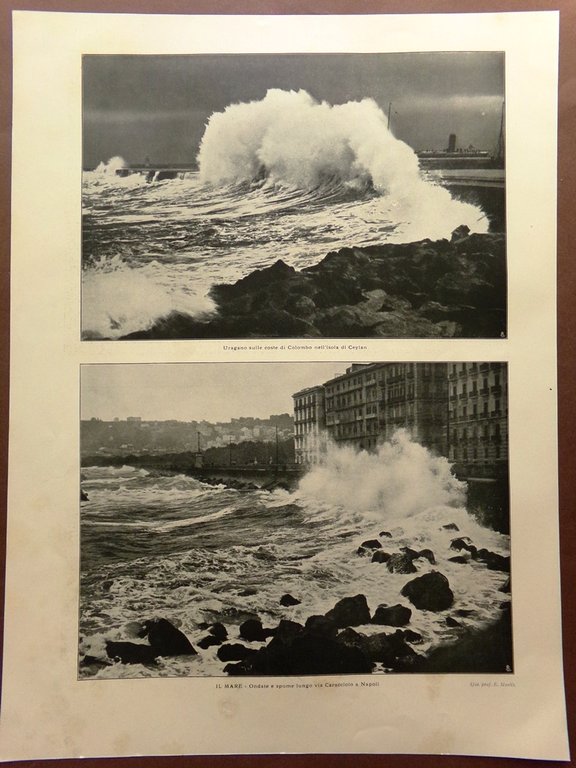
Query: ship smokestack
[452, 142]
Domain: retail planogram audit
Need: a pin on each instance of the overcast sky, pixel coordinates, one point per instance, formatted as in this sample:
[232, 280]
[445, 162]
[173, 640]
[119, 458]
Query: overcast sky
[157, 106]
[196, 391]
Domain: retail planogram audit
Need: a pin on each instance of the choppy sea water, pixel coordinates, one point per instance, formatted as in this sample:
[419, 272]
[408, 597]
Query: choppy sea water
[284, 178]
[155, 545]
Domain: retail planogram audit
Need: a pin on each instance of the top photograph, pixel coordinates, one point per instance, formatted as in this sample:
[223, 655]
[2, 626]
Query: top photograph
[294, 196]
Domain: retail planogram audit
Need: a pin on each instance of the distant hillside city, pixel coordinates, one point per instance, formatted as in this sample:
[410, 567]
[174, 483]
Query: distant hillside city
[137, 436]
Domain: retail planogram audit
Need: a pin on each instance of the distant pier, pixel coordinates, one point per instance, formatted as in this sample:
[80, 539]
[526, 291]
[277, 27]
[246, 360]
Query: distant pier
[157, 172]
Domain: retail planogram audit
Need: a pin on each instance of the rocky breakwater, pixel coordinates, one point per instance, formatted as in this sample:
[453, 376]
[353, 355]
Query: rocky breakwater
[349, 638]
[443, 288]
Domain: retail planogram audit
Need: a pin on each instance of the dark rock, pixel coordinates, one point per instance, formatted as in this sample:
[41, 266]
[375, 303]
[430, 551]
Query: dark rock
[464, 612]
[371, 544]
[450, 527]
[414, 554]
[460, 234]
[218, 630]
[234, 652]
[428, 554]
[131, 653]
[208, 641]
[485, 651]
[412, 637]
[400, 563]
[351, 638]
[252, 630]
[450, 622]
[463, 543]
[421, 289]
[320, 626]
[493, 561]
[506, 588]
[430, 592]
[350, 612]
[288, 600]
[165, 639]
[380, 556]
[294, 651]
[393, 616]
[94, 661]
[248, 592]
[286, 631]
[459, 559]
[83, 495]
[385, 534]
[391, 650]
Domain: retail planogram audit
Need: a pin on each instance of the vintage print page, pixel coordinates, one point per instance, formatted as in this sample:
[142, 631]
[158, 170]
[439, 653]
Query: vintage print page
[283, 460]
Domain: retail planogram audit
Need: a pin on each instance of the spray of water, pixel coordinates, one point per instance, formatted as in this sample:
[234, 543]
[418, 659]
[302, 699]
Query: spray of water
[290, 139]
[400, 480]
[119, 299]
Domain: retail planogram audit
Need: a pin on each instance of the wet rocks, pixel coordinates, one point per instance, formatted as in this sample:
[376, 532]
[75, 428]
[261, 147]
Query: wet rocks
[380, 556]
[393, 616]
[492, 560]
[131, 653]
[350, 612]
[234, 652]
[252, 630]
[165, 639]
[430, 592]
[287, 600]
[371, 544]
[400, 563]
[421, 289]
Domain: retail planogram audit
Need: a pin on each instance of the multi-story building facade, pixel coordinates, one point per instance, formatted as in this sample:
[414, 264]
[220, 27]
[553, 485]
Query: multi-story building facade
[369, 403]
[457, 410]
[477, 428]
[309, 425]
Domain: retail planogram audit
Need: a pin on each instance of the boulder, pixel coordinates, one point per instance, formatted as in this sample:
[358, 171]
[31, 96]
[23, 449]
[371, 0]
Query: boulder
[450, 527]
[428, 554]
[350, 612]
[371, 544]
[390, 650]
[459, 559]
[252, 630]
[320, 626]
[218, 630]
[287, 600]
[385, 534]
[393, 616]
[234, 652]
[131, 653]
[493, 561]
[208, 641]
[450, 622]
[400, 563]
[380, 556]
[165, 639]
[430, 592]
[463, 542]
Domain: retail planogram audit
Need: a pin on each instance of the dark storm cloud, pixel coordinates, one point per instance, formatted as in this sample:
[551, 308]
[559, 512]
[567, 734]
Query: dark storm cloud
[157, 106]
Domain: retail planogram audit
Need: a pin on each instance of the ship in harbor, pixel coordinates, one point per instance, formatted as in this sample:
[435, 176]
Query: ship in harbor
[454, 157]
[461, 157]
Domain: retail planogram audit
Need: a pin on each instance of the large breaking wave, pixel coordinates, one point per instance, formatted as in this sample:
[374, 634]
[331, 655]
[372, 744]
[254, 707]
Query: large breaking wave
[290, 139]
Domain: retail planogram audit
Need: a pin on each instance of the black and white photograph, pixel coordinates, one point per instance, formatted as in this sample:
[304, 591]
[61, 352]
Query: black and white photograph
[292, 195]
[315, 519]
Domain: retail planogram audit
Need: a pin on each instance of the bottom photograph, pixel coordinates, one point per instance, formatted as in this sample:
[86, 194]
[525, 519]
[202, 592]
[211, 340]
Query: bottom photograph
[293, 519]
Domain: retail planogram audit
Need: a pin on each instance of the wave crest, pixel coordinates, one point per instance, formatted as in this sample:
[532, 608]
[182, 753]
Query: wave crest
[291, 138]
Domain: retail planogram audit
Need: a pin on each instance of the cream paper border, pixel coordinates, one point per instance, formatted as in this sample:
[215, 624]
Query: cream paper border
[46, 712]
